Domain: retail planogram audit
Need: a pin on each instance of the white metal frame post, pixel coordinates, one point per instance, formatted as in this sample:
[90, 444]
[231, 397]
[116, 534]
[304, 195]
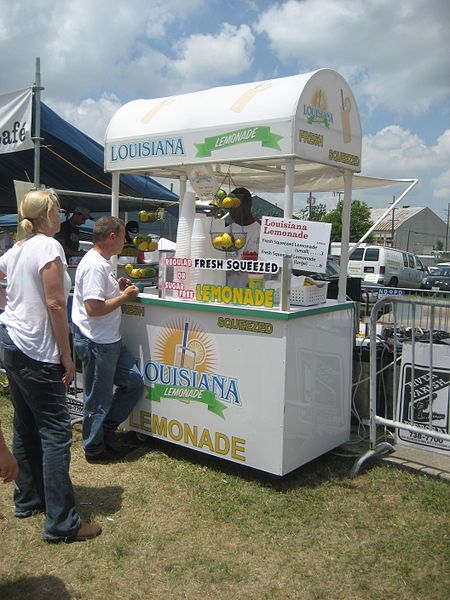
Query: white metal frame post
[115, 205]
[289, 189]
[183, 180]
[345, 235]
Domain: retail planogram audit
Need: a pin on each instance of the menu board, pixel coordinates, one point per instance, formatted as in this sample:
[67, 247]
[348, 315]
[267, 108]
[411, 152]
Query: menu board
[306, 242]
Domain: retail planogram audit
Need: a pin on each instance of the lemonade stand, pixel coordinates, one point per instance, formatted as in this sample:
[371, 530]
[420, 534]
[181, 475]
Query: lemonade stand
[239, 373]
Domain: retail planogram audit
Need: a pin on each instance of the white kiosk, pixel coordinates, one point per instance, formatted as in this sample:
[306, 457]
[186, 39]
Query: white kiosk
[263, 387]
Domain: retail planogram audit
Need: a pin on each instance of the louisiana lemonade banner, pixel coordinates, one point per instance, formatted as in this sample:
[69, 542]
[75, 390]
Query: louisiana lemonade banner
[15, 121]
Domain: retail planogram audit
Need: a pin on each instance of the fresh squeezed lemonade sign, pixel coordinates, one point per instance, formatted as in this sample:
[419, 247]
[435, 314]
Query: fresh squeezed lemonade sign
[241, 296]
[306, 242]
[184, 369]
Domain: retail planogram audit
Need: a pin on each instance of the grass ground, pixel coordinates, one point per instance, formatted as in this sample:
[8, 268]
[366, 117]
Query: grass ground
[177, 525]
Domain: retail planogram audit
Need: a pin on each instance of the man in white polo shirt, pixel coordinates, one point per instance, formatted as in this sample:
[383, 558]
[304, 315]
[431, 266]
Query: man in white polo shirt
[96, 314]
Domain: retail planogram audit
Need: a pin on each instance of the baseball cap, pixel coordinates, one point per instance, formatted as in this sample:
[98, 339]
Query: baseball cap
[83, 211]
[243, 194]
[132, 226]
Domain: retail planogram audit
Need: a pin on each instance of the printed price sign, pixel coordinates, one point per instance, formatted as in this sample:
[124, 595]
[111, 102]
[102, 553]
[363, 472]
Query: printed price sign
[306, 242]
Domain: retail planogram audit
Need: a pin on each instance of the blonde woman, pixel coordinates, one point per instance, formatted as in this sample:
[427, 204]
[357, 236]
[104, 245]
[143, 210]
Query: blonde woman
[37, 359]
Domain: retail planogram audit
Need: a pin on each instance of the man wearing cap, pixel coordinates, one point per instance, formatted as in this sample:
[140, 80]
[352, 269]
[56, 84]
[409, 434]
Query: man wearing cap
[69, 234]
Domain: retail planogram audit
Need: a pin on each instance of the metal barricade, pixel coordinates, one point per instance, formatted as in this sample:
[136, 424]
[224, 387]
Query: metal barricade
[75, 390]
[416, 325]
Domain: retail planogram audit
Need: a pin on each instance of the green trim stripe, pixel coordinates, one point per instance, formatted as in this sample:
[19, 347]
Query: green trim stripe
[261, 134]
[158, 391]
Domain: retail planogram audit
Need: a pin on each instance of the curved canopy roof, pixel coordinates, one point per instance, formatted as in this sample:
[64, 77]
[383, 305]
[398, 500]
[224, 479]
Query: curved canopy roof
[247, 131]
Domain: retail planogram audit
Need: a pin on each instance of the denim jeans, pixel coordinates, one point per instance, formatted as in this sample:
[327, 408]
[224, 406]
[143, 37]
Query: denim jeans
[42, 440]
[105, 366]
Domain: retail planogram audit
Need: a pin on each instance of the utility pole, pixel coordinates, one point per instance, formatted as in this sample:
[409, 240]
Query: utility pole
[448, 225]
[311, 201]
[393, 224]
[37, 88]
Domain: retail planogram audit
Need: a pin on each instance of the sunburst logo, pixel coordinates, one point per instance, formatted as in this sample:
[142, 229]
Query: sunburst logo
[185, 344]
[184, 368]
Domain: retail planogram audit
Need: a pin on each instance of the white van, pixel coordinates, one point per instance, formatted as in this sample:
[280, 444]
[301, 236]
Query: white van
[386, 266]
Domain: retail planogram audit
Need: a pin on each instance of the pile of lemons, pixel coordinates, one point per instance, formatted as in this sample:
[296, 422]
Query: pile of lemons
[148, 217]
[224, 200]
[227, 241]
[145, 243]
[138, 272]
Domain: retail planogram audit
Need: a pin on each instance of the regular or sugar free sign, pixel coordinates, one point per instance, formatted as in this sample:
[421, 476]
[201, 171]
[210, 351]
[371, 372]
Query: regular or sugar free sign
[306, 242]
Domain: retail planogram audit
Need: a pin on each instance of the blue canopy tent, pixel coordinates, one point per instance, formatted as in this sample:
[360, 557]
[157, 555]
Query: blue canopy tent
[71, 160]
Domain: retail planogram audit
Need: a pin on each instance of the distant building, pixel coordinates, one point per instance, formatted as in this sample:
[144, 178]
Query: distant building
[416, 229]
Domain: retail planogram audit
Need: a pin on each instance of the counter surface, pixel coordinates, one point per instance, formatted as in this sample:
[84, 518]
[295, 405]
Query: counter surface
[295, 312]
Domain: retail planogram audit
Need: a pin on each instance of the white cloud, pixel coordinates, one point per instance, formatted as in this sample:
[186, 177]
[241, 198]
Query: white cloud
[442, 185]
[209, 58]
[392, 52]
[86, 47]
[394, 152]
[90, 116]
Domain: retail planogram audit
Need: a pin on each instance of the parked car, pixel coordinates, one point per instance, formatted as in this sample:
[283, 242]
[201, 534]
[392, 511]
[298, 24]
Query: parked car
[438, 280]
[431, 269]
[386, 266]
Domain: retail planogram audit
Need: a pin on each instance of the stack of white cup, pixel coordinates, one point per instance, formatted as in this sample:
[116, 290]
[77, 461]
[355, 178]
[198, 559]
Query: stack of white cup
[199, 247]
[184, 234]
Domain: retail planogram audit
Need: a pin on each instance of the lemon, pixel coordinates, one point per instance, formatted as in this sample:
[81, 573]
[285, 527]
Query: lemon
[152, 246]
[239, 242]
[142, 246]
[197, 347]
[221, 194]
[143, 216]
[134, 272]
[227, 240]
[128, 268]
[227, 202]
[217, 241]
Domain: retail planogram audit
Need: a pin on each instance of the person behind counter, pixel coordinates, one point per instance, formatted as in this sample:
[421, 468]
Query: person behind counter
[37, 359]
[243, 220]
[96, 313]
[131, 231]
[69, 233]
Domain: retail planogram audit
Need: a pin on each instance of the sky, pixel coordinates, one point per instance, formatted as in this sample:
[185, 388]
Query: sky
[97, 55]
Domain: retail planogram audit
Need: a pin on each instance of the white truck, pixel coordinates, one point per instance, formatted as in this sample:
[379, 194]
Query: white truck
[386, 266]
